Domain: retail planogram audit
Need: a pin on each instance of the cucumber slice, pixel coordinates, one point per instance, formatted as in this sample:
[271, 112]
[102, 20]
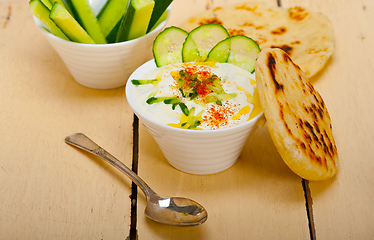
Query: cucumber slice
[136, 21]
[42, 13]
[158, 10]
[205, 38]
[220, 52]
[167, 47]
[86, 18]
[111, 14]
[69, 25]
[190, 52]
[243, 53]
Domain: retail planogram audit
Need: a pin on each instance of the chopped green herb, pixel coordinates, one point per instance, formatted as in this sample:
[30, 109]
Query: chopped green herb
[184, 109]
[166, 100]
[153, 100]
[173, 100]
[143, 82]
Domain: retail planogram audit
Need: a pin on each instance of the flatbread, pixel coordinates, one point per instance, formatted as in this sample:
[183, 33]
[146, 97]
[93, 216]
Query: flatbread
[297, 117]
[306, 36]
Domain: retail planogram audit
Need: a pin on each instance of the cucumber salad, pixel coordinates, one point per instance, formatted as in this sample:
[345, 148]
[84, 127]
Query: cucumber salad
[203, 80]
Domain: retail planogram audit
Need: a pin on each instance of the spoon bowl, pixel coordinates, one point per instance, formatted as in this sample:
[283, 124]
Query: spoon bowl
[174, 210]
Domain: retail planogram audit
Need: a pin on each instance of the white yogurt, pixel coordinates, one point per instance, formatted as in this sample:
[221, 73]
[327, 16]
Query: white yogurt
[231, 100]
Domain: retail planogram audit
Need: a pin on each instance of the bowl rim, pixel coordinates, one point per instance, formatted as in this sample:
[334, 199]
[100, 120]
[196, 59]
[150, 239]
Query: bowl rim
[129, 89]
[44, 30]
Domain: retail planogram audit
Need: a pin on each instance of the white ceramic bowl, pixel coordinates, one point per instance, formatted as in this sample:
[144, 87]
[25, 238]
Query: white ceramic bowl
[194, 151]
[103, 66]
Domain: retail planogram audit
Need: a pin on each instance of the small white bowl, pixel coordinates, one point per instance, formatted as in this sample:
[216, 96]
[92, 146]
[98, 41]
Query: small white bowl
[103, 66]
[194, 151]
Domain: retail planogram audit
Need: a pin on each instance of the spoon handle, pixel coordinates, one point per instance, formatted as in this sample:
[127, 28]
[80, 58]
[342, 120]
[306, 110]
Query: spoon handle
[83, 142]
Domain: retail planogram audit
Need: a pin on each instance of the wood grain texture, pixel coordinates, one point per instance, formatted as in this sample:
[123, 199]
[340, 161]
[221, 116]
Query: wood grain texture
[257, 198]
[343, 207]
[49, 190]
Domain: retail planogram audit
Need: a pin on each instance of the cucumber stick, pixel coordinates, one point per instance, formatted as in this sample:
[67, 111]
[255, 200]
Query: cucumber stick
[111, 14]
[167, 47]
[159, 21]
[63, 4]
[69, 25]
[87, 19]
[47, 3]
[158, 10]
[135, 23]
[42, 13]
[205, 38]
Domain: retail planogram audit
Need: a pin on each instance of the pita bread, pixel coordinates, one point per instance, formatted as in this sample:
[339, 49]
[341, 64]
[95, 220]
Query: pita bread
[307, 37]
[297, 118]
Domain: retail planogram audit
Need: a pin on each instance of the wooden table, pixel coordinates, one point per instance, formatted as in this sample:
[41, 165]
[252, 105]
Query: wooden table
[49, 190]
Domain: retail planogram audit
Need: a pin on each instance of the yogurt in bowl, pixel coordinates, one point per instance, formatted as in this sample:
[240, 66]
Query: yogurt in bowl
[201, 115]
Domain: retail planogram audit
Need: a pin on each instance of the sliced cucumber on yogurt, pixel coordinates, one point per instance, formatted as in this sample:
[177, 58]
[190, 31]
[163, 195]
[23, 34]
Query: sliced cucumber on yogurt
[206, 43]
[243, 52]
[239, 50]
[220, 52]
[167, 47]
[201, 40]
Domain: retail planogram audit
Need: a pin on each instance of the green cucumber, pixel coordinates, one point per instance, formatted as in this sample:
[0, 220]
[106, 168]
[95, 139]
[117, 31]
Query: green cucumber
[158, 11]
[143, 82]
[135, 23]
[87, 19]
[167, 47]
[205, 38]
[239, 50]
[112, 36]
[190, 51]
[163, 17]
[42, 13]
[47, 3]
[69, 25]
[63, 4]
[243, 52]
[220, 52]
[111, 14]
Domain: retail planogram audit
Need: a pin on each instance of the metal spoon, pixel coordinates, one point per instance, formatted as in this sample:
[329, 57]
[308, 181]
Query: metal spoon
[174, 210]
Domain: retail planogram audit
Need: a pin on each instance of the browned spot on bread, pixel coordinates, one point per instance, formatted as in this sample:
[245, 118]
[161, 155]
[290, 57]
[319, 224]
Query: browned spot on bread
[247, 24]
[297, 13]
[288, 49]
[245, 7]
[272, 69]
[210, 20]
[279, 31]
[234, 32]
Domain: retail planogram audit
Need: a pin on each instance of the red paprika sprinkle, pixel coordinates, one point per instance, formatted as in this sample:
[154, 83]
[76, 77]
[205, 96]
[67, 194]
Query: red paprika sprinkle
[218, 116]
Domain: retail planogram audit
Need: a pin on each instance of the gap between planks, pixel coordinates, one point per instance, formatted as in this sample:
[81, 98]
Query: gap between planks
[133, 234]
[134, 193]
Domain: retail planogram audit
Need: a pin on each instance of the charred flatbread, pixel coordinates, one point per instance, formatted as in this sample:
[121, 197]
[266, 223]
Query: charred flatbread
[297, 117]
[306, 36]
